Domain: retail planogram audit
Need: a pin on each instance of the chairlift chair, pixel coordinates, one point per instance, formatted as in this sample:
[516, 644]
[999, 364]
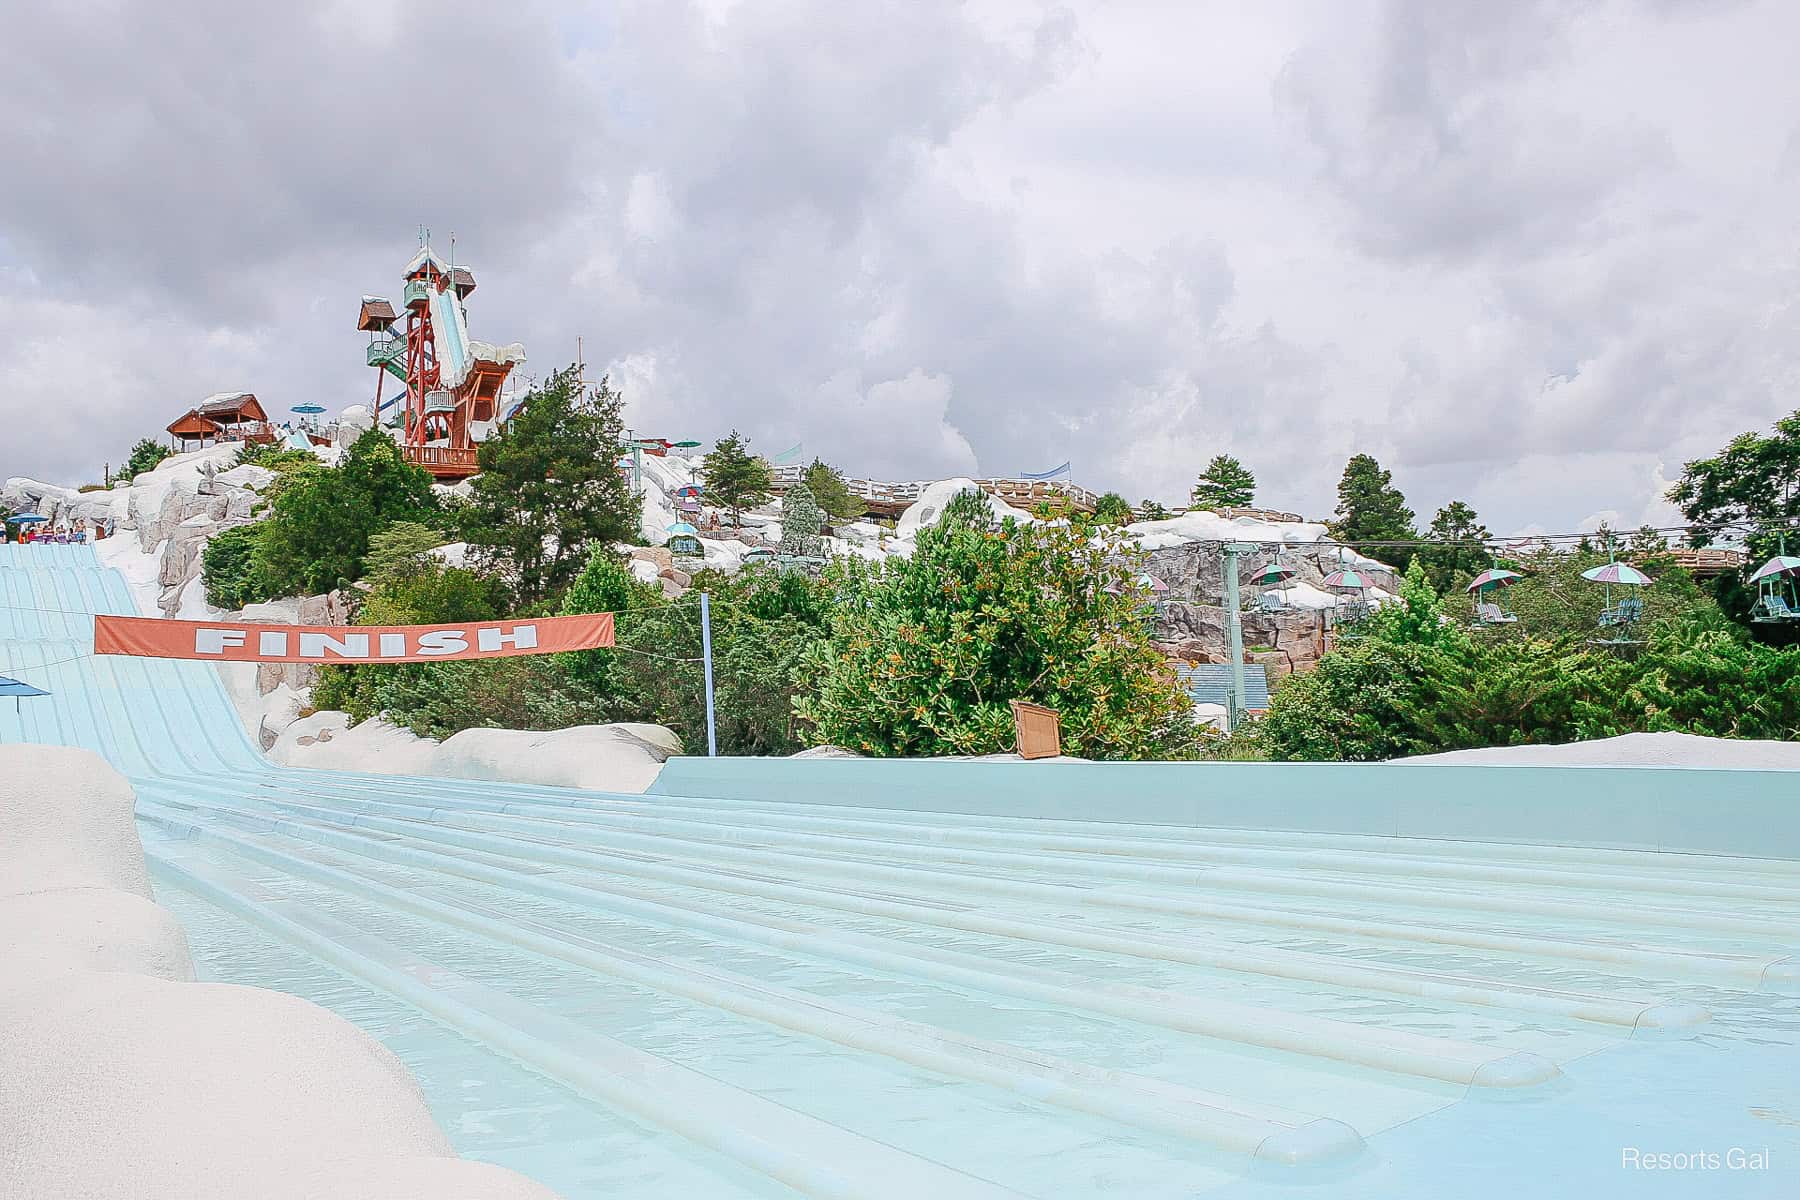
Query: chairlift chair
[1272, 577]
[1777, 593]
[1489, 590]
[1618, 619]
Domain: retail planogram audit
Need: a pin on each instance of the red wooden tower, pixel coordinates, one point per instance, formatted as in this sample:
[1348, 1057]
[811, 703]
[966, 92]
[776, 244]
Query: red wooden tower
[451, 380]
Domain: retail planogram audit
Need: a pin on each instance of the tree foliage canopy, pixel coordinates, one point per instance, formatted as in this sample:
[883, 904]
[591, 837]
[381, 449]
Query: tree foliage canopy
[1113, 509]
[550, 486]
[1225, 483]
[924, 653]
[1417, 684]
[801, 521]
[144, 457]
[735, 478]
[832, 493]
[321, 521]
[1371, 509]
[1461, 551]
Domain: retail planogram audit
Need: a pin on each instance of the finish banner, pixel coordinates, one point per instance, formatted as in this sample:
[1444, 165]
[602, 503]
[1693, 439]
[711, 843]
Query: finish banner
[229, 641]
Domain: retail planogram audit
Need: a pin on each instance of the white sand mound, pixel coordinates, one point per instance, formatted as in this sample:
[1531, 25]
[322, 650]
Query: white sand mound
[120, 1085]
[89, 929]
[1631, 750]
[413, 1179]
[66, 822]
[623, 757]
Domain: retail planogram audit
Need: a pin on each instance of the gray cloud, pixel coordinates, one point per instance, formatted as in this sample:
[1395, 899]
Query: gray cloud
[1533, 255]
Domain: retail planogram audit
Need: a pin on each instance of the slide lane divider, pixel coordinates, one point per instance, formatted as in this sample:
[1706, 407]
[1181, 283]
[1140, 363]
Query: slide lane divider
[814, 1157]
[934, 910]
[1264, 1132]
[1447, 1059]
[1771, 972]
[1100, 852]
[878, 857]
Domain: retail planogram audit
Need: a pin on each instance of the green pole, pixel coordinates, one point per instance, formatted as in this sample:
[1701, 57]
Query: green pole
[1234, 632]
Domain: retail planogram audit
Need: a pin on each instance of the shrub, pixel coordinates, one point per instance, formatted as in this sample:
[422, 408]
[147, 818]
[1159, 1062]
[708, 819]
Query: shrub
[924, 653]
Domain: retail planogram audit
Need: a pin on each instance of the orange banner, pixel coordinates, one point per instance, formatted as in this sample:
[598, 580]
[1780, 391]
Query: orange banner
[229, 641]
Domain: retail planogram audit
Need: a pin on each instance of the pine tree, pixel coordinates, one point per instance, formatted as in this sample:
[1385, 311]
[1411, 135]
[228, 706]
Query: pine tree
[144, 456]
[1111, 509]
[832, 493]
[1371, 509]
[1150, 510]
[735, 478]
[1462, 546]
[1226, 483]
[549, 487]
[801, 521]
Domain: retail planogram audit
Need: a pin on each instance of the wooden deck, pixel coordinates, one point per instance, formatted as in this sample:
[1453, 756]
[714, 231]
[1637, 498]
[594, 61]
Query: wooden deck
[444, 462]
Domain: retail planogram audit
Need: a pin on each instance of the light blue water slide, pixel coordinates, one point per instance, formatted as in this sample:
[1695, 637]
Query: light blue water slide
[751, 984]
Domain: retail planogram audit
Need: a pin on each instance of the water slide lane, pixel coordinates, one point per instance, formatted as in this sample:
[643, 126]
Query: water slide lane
[1108, 1004]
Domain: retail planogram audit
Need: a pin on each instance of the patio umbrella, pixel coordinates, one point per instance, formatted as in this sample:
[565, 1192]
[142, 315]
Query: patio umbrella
[1493, 578]
[688, 491]
[1346, 578]
[1153, 583]
[1617, 572]
[18, 689]
[1273, 574]
[1781, 564]
[27, 519]
[308, 409]
[681, 527]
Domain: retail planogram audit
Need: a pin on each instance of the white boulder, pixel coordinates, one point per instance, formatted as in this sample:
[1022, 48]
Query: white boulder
[928, 509]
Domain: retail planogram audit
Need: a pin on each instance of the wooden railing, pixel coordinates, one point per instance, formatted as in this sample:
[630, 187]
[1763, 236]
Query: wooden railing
[445, 460]
[1020, 493]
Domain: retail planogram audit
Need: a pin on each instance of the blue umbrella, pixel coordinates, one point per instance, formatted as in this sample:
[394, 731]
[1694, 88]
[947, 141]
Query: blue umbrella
[17, 690]
[27, 519]
[682, 527]
[309, 409]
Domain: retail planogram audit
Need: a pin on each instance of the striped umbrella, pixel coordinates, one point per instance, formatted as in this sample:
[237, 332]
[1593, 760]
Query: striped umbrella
[1781, 564]
[1153, 583]
[1617, 572]
[1493, 578]
[1346, 578]
[1273, 574]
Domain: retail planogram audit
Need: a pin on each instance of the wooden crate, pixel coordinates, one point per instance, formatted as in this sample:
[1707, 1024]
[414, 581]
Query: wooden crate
[1039, 730]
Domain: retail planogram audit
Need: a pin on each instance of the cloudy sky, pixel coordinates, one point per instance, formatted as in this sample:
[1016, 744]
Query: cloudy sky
[1529, 254]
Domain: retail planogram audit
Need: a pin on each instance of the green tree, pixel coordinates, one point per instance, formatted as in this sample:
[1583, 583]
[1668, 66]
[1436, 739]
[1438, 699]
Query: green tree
[1372, 510]
[401, 551]
[735, 478]
[144, 457]
[832, 493]
[1226, 483]
[801, 521]
[1150, 510]
[1754, 483]
[605, 584]
[925, 653]
[763, 624]
[1359, 704]
[320, 522]
[228, 568]
[432, 699]
[1459, 549]
[549, 487]
[1112, 509]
